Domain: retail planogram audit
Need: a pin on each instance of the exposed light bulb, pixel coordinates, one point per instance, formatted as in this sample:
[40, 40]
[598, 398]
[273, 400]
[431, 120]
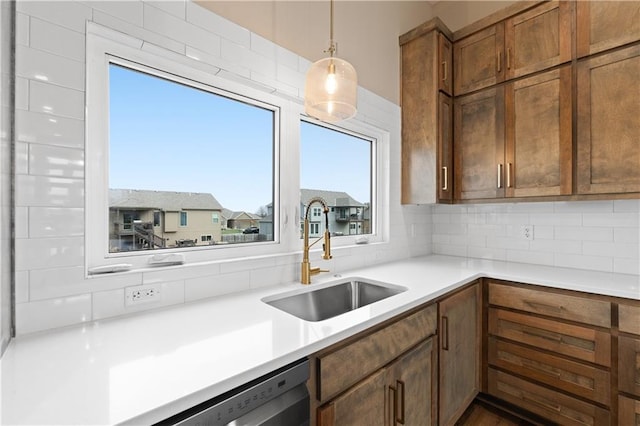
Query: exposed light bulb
[330, 107]
[331, 84]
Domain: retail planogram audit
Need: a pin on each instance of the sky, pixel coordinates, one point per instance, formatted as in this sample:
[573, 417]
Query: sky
[166, 136]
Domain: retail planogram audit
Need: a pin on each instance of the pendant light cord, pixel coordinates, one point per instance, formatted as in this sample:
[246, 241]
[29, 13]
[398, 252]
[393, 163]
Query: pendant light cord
[332, 46]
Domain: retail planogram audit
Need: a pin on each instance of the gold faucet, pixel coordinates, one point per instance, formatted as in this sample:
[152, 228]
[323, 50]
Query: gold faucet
[307, 270]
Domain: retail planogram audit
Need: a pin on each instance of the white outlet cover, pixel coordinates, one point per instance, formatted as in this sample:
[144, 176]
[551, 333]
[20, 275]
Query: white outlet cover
[130, 300]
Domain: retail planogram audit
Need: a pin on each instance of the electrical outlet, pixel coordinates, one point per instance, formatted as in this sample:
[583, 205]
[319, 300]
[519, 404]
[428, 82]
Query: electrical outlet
[527, 232]
[141, 294]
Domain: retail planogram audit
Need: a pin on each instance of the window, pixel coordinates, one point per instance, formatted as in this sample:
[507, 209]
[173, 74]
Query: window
[156, 147]
[337, 165]
[205, 238]
[314, 228]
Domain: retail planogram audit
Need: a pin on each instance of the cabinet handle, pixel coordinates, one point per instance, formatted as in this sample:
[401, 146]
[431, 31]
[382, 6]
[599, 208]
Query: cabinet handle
[444, 71]
[499, 62]
[499, 175]
[508, 175]
[445, 333]
[392, 403]
[509, 58]
[445, 178]
[400, 419]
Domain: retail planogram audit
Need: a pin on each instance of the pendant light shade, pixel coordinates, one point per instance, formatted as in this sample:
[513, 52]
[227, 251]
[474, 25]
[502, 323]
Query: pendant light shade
[331, 88]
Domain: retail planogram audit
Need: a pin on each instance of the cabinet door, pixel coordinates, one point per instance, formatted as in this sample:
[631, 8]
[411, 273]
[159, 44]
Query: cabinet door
[608, 133]
[479, 145]
[419, 119]
[364, 404]
[538, 128]
[459, 353]
[602, 25]
[537, 39]
[413, 377]
[445, 62]
[629, 411]
[478, 60]
[629, 365]
[445, 148]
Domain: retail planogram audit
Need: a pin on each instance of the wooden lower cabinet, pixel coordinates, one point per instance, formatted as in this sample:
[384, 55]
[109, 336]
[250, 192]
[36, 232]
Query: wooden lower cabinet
[460, 331]
[546, 402]
[628, 411]
[401, 393]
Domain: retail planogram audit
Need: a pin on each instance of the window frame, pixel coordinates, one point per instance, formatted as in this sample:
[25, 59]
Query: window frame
[105, 46]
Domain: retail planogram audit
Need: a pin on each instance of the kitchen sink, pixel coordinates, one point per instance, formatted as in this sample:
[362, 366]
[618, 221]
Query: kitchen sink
[329, 301]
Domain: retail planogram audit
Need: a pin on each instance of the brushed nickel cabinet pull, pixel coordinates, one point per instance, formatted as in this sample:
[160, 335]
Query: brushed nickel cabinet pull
[499, 175]
[445, 178]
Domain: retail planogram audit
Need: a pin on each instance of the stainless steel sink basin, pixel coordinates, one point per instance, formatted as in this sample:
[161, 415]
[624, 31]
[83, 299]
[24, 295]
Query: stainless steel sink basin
[327, 302]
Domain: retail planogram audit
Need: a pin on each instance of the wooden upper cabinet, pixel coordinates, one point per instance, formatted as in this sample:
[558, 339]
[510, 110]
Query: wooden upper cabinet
[478, 60]
[537, 39]
[479, 145]
[445, 63]
[426, 73]
[603, 25]
[445, 148]
[608, 127]
[538, 133]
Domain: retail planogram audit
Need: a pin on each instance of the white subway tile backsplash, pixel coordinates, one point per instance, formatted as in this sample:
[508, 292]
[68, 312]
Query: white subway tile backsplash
[56, 100]
[137, 32]
[530, 256]
[21, 225]
[56, 161]
[263, 47]
[22, 93]
[112, 302]
[55, 222]
[127, 10]
[612, 219]
[583, 233]
[47, 129]
[178, 8]
[22, 29]
[594, 263]
[52, 313]
[46, 191]
[556, 246]
[620, 206]
[47, 253]
[55, 39]
[216, 285]
[491, 253]
[626, 266]
[583, 207]
[626, 235]
[22, 287]
[246, 58]
[617, 250]
[69, 14]
[556, 219]
[50, 68]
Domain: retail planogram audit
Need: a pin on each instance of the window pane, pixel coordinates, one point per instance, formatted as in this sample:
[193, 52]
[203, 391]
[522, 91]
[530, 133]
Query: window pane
[185, 162]
[336, 166]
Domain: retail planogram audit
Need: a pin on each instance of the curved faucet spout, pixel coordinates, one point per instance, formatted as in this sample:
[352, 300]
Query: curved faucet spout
[306, 269]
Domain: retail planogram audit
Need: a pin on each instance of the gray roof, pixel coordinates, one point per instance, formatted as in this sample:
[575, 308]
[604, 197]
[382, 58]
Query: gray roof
[162, 200]
[332, 198]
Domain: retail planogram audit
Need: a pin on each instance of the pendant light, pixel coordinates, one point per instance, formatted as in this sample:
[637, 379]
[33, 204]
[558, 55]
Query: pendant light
[331, 87]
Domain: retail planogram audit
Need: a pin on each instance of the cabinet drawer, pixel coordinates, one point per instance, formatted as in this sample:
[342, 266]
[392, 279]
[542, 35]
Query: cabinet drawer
[573, 377]
[573, 308]
[579, 342]
[628, 411]
[548, 403]
[629, 319]
[629, 365]
[342, 368]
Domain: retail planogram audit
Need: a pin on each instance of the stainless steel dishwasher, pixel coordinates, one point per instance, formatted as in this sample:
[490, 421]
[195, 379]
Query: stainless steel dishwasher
[279, 398]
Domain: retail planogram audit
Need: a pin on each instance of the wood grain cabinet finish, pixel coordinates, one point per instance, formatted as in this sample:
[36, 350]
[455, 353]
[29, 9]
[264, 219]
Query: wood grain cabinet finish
[603, 25]
[426, 119]
[538, 135]
[478, 60]
[629, 318]
[542, 302]
[577, 378]
[538, 39]
[400, 393]
[629, 365]
[479, 145]
[459, 359]
[342, 368]
[628, 411]
[548, 403]
[608, 128]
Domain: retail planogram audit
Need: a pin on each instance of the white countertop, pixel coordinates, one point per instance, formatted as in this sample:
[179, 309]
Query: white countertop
[144, 368]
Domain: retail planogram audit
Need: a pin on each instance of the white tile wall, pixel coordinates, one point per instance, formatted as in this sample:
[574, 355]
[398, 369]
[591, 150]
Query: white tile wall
[52, 289]
[594, 235]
